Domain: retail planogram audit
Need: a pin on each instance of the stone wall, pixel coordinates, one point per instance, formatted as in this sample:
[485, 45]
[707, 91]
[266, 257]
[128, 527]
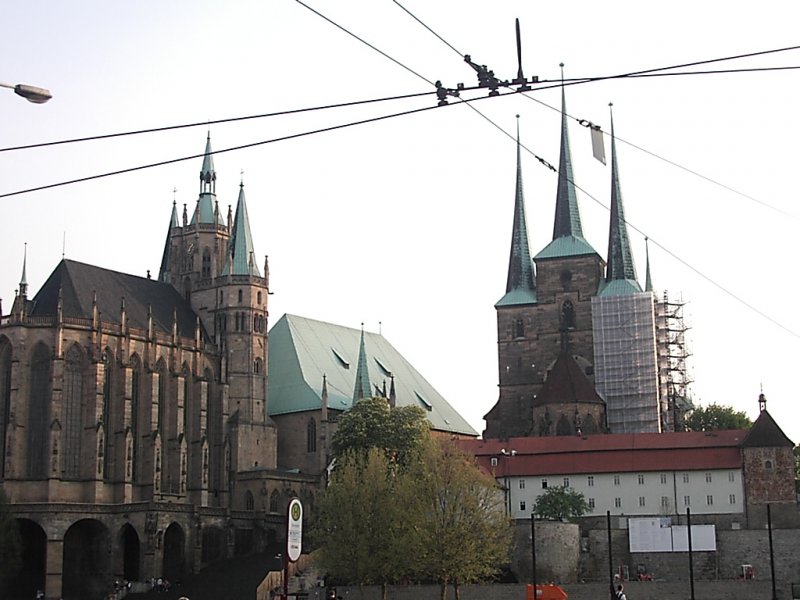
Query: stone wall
[558, 550]
[705, 590]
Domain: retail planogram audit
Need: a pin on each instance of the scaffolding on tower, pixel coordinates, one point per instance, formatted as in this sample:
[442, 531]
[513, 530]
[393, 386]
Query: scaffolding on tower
[673, 354]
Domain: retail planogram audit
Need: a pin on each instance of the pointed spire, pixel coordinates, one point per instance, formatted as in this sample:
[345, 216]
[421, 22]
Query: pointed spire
[620, 257]
[241, 260]
[204, 211]
[165, 256]
[362, 388]
[23, 282]
[520, 266]
[648, 281]
[568, 218]
[392, 393]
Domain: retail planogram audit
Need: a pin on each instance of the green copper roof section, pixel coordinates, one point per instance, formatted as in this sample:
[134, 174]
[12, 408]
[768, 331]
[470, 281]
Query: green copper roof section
[205, 211]
[240, 247]
[362, 388]
[302, 351]
[568, 217]
[569, 245]
[619, 287]
[520, 284]
[648, 281]
[173, 222]
[620, 258]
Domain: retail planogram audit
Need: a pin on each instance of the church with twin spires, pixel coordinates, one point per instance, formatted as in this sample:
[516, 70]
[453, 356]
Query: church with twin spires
[582, 347]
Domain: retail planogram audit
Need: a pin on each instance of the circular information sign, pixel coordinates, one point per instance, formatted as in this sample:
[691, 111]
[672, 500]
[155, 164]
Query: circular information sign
[294, 530]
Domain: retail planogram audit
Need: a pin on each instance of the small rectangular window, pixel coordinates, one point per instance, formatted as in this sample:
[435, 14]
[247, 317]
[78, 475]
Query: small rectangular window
[522, 505]
[708, 477]
[544, 484]
[664, 501]
[522, 484]
[616, 479]
[591, 503]
[590, 480]
[685, 478]
[710, 500]
[687, 501]
[641, 500]
[732, 499]
[731, 477]
[494, 462]
[663, 479]
[617, 502]
[566, 482]
[641, 479]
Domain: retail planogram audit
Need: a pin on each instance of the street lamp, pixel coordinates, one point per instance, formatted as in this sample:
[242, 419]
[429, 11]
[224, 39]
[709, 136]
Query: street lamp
[31, 93]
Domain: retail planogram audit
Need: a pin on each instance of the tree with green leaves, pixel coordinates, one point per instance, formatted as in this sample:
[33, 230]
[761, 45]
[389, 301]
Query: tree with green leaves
[372, 423]
[717, 417]
[10, 541]
[466, 534]
[365, 521]
[560, 503]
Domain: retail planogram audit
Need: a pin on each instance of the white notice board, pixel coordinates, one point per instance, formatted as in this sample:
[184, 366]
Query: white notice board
[704, 538]
[649, 535]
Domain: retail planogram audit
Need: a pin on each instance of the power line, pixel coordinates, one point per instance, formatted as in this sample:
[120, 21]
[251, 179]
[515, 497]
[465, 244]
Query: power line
[233, 148]
[215, 122]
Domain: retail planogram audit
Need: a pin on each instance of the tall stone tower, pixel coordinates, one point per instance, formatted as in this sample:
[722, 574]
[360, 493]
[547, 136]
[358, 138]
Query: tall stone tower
[546, 311]
[211, 261]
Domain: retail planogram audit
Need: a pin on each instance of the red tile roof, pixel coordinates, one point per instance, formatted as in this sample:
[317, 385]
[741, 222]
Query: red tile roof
[615, 453]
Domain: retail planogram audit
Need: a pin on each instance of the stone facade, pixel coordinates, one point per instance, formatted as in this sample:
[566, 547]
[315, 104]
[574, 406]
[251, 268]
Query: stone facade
[134, 430]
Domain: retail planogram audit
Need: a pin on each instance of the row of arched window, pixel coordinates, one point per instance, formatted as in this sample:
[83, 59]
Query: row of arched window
[274, 501]
[129, 425]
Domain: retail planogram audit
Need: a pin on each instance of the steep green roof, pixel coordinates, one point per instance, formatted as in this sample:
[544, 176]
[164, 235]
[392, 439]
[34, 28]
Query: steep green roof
[620, 258]
[568, 217]
[569, 245]
[520, 284]
[302, 351]
[173, 222]
[240, 247]
[619, 287]
[207, 201]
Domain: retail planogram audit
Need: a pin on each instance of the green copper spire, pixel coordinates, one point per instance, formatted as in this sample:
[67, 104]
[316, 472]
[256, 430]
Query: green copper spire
[23, 282]
[520, 285]
[204, 212]
[648, 281]
[568, 217]
[173, 222]
[362, 387]
[620, 257]
[241, 258]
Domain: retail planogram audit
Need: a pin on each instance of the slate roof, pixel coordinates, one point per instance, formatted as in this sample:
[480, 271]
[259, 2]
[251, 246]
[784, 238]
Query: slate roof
[206, 202]
[79, 282]
[620, 263]
[302, 350]
[567, 384]
[568, 218]
[766, 433]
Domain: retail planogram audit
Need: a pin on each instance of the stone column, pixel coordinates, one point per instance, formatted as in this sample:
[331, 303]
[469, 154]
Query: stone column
[54, 568]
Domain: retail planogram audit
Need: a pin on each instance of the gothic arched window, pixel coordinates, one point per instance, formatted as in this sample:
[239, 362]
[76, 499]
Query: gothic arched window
[73, 412]
[249, 501]
[105, 418]
[5, 399]
[519, 328]
[567, 315]
[311, 436]
[206, 264]
[39, 410]
[274, 499]
[136, 392]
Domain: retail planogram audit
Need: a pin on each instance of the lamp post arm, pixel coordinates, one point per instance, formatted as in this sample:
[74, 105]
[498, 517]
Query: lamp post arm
[31, 93]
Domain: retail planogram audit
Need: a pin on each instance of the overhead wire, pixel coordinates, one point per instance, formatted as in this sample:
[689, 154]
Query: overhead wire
[638, 230]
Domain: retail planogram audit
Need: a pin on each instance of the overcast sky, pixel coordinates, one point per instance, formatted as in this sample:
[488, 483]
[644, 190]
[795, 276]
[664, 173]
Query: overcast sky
[406, 221]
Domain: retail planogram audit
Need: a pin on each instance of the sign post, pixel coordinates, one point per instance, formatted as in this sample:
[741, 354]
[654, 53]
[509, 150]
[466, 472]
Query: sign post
[294, 540]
